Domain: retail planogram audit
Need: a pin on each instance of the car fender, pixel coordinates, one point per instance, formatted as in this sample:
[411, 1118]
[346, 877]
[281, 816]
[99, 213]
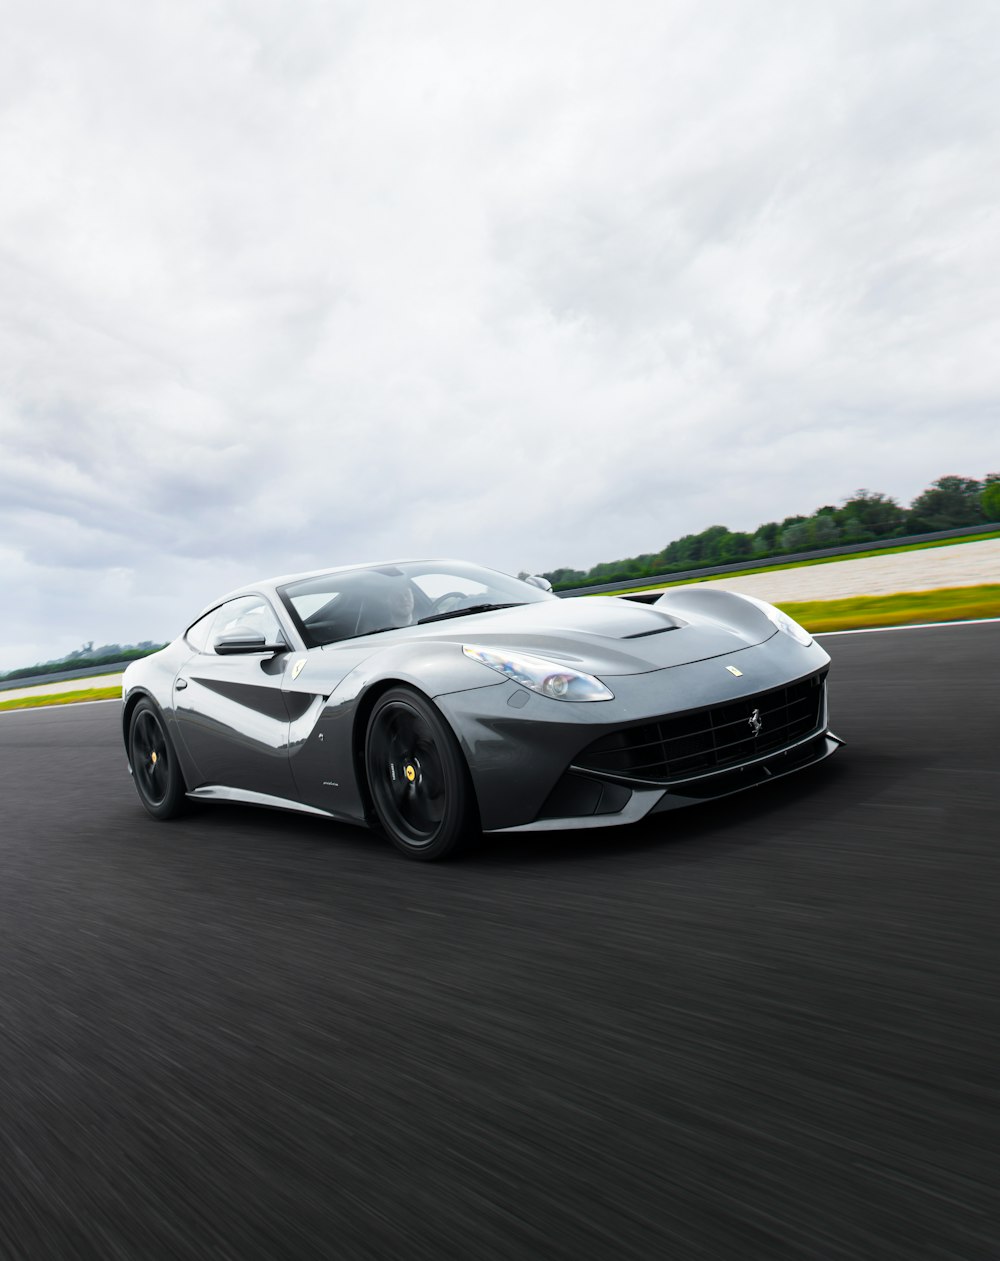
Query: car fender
[713, 604]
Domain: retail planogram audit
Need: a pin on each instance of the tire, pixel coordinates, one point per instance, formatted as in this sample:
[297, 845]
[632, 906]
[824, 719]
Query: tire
[155, 770]
[417, 777]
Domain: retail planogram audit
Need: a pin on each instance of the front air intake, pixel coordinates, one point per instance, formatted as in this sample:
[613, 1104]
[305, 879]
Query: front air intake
[697, 742]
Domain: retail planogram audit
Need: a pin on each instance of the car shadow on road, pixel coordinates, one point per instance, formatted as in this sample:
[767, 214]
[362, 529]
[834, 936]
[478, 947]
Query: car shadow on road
[744, 819]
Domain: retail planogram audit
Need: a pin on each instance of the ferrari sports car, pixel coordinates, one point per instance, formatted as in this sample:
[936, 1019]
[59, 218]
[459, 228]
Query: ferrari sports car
[436, 700]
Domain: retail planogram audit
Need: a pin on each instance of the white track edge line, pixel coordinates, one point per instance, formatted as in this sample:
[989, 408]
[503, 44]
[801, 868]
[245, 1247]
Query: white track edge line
[877, 630]
[25, 709]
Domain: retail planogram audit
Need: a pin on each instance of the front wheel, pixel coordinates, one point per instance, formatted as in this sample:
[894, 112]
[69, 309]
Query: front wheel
[417, 777]
[157, 776]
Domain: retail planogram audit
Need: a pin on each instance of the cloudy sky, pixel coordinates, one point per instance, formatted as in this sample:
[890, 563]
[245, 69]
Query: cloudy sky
[537, 284]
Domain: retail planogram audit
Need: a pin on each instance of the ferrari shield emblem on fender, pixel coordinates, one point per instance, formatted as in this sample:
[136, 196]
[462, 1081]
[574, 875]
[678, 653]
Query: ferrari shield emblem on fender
[298, 667]
[736, 673]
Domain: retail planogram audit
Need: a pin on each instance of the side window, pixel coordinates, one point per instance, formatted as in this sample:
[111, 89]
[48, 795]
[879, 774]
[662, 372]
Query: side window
[249, 615]
[199, 634]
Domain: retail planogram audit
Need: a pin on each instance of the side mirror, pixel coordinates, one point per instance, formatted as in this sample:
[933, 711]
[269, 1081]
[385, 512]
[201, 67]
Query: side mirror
[233, 645]
[536, 580]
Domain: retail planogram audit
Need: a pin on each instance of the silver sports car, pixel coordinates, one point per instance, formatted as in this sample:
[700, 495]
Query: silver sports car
[435, 700]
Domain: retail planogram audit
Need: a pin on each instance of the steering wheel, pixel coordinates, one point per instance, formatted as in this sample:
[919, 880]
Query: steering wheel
[450, 600]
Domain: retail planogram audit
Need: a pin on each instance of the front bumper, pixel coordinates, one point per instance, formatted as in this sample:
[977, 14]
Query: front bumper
[521, 747]
[641, 802]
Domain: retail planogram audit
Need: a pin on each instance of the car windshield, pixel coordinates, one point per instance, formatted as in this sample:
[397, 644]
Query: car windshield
[345, 604]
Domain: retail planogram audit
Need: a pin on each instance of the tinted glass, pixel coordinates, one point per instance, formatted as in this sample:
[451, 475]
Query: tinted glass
[345, 604]
[198, 635]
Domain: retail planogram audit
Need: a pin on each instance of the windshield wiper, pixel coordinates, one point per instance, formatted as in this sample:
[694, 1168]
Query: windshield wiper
[472, 608]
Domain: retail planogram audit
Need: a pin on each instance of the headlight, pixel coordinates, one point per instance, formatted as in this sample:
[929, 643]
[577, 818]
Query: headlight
[782, 621]
[558, 682]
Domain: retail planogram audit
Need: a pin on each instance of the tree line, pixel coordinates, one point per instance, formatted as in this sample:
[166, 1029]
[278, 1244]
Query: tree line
[949, 503]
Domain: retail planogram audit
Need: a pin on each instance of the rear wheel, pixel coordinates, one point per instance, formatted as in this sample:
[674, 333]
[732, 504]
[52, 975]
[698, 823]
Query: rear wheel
[417, 777]
[157, 776]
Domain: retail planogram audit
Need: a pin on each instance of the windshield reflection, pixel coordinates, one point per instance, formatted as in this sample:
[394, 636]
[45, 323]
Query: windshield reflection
[344, 604]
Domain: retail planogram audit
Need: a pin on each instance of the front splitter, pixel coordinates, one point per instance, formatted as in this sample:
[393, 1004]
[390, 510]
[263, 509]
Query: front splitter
[654, 800]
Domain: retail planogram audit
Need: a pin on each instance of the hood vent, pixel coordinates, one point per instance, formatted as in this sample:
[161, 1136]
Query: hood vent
[659, 630]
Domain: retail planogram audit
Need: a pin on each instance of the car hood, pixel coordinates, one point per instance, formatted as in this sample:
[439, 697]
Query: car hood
[602, 635]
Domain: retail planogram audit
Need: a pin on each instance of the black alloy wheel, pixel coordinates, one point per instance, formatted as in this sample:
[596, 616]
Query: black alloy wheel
[157, 776]
[417, 777]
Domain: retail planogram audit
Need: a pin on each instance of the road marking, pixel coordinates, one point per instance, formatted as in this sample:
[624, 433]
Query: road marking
[30, 709]
[875, 630]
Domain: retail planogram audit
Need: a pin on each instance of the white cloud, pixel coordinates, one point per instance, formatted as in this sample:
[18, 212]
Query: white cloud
[533, 284]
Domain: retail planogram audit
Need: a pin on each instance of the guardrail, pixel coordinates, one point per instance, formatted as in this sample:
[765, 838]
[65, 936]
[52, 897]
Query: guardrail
[768, 562]
[89, 672]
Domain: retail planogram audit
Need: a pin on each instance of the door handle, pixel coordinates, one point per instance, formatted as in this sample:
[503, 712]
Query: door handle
[181, 684]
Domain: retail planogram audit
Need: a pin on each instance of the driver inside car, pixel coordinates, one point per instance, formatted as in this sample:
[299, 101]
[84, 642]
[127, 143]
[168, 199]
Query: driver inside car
[399, 606]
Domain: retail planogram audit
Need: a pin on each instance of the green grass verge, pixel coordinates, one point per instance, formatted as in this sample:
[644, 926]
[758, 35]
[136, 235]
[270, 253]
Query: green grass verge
[63, 698]
[801, 564]
[946, 604]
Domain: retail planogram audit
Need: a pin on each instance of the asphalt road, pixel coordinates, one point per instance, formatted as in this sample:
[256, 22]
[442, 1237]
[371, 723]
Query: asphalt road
[765, 1028]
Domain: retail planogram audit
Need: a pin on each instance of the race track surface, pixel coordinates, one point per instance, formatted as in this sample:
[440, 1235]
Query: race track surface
[767, 1028]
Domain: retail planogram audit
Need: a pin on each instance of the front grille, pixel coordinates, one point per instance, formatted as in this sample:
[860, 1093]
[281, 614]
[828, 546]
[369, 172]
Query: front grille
[681, 746]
